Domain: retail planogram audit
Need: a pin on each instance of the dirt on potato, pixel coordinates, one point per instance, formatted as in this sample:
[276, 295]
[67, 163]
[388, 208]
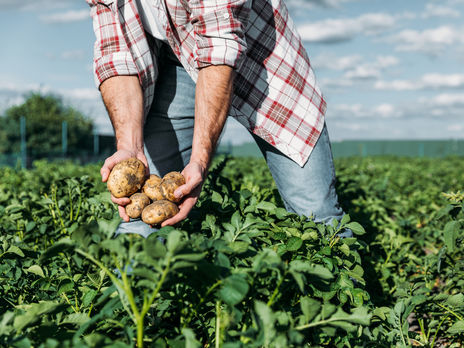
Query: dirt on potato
[159, 211]
[152, 188]
[138, 202]
[170, 183]
[126, 178]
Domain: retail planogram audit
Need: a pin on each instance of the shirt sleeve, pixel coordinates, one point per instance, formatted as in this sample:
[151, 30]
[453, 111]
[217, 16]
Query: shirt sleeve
[219, 28]
[111, 54]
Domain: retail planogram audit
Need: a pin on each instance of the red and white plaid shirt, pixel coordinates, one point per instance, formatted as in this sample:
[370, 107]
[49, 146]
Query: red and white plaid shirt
[275, 92]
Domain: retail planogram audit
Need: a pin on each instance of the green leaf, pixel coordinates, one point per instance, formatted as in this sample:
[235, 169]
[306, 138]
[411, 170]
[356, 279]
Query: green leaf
[450, 234]
[189, 257]
[61, 246]
[13, 249]
[173, 241]
[314, 270]
[266, 206]
[356, 228]
[345, 219]
[34, 312]
[455, 301]
[37, 270]
[88, 297]
[239, 246]
[190, 339]
[310, 307]
[294, 243]
[457, 328]
[267, 319]
[75, 318]
[234, 289]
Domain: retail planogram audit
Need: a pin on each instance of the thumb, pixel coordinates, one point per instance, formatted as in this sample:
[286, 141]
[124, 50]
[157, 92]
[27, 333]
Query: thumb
[187, 188]
[141, 156]
[106, 168]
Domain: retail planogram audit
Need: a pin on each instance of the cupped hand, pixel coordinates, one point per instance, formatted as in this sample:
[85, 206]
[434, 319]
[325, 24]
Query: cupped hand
[194, 174]
[110, 162]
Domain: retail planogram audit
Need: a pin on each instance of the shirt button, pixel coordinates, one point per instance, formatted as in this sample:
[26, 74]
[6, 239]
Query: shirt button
[226, 15]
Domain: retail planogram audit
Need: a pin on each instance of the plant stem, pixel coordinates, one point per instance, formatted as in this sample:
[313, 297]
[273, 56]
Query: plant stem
[203, 299]
[218, 324]
[276, 290]
[438, 329]
[450, 311]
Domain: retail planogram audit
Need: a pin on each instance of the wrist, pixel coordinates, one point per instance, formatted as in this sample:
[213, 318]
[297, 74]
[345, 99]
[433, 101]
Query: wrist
[133, 145]
[201, 163]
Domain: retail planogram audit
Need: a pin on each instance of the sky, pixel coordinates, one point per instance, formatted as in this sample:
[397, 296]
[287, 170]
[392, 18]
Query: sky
[388, 69]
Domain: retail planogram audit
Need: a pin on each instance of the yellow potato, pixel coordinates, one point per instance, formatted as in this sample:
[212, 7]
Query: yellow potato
[152, 188]
[170, 183]
[126, 178]
[138, 202]
[159, 211]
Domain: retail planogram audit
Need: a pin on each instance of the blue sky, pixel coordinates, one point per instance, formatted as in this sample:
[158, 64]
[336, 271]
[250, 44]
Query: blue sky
[388, 69]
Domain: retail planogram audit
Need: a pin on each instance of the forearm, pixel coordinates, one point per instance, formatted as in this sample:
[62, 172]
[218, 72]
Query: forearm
[212, 100]
[123, 98]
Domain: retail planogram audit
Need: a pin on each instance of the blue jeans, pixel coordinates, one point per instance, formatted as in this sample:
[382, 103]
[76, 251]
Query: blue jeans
[308, 190]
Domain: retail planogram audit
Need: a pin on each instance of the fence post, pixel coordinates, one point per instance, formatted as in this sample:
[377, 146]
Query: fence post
[22, 128]
[421, 150]
[64, 138]
[96, 142]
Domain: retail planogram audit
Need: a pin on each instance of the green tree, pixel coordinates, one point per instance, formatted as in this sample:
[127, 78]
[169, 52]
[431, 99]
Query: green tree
[44, 116]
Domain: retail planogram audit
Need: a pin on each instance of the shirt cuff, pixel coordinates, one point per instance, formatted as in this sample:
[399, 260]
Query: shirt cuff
[219, 51]
[114, 64]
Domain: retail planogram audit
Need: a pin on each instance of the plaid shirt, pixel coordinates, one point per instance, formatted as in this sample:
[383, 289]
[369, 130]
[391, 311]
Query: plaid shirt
[275, 92]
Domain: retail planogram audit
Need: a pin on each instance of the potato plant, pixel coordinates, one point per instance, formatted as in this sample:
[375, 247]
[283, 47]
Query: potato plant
[240, 271]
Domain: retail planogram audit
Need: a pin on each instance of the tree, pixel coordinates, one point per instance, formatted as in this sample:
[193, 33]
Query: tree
[44, 116]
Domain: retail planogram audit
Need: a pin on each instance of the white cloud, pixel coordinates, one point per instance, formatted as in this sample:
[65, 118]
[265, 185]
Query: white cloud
[429, 41]
[429, 82]
[86, 100]
[73, 54]
[66, 17]
[82, 93]
[446, 99]
[455, 127]
[363, 72]
[356, 111]
[433, 10]
[298, 5]
[35, 5]
[339, 30]
[331, 62]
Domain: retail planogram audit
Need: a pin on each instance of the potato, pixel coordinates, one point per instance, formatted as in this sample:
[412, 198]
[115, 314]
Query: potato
[152, 188]
[138, 202]
[126, 178]
[171, 181]
[159, 211]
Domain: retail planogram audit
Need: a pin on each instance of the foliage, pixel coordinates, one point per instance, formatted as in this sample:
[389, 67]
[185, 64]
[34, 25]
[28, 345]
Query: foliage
[241, 271]
[44, 116]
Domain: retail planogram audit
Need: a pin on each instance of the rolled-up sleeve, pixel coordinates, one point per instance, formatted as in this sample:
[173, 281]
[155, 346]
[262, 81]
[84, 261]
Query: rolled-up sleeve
[111, 54]
[219, 28]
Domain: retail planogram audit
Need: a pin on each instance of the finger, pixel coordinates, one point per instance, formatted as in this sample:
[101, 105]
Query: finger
[123, 214]
[106, 168]
[185, 209]
[188, 187]
[120, 201]
[141, 156]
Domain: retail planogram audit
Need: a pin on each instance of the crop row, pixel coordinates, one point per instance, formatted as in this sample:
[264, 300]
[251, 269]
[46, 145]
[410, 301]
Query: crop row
[241, 271]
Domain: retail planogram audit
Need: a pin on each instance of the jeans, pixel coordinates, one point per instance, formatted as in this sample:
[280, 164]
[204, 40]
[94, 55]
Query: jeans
[308, 190]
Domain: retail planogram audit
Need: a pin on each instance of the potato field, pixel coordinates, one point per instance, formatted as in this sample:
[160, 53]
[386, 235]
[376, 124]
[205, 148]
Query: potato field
[240, 271]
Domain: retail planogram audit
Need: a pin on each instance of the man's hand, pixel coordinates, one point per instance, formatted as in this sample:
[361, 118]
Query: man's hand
[212, 100]
[123, 99]
[105, 171]
[194, 174]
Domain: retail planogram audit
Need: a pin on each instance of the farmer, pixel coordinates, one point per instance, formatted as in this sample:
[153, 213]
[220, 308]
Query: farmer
[171, 71]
